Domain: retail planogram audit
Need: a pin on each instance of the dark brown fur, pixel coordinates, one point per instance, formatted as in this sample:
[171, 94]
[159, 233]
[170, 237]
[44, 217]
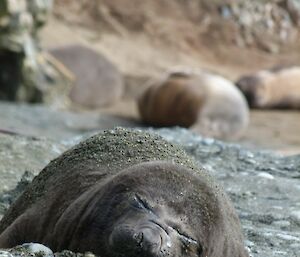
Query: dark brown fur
[175, 102]
[152, 208]
[205, 101]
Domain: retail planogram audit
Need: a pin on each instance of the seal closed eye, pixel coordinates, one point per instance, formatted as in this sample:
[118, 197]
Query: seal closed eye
[141, 204]
[157, 203]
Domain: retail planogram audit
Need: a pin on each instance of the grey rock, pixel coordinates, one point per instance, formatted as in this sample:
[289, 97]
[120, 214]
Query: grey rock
[19, 154]
[8, 196]
[4, 253]
[27, 250]
[293, 8]
[38, 249]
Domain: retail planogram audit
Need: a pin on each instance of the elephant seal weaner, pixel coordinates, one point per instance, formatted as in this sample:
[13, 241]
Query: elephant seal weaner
[276, 88]
[206, 102]
[98, 82]
[125, 193]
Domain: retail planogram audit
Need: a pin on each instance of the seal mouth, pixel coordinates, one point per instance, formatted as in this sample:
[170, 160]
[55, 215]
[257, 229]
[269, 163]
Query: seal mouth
[160, 226]
[163, 235]
[248, 86]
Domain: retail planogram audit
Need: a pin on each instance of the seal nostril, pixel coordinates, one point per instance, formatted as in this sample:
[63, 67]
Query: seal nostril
[138, 237]
[151, 241]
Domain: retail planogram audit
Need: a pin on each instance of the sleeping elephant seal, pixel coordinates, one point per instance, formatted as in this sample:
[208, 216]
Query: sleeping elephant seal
[276, 88]
[98, 82]
[208, 103]
[125, 193]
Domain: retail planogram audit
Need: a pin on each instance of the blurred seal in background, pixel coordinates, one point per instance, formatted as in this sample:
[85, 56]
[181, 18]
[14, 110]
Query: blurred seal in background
[276, 88]
[208, 103]
[98, 82]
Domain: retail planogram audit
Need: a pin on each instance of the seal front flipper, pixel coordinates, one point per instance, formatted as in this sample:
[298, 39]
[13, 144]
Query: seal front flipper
[14, 234]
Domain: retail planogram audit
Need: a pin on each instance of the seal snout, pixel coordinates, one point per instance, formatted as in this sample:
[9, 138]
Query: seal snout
[148, 239]
[248, 85]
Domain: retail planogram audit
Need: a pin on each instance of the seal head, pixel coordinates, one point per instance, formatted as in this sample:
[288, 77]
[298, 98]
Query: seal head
[126, 217]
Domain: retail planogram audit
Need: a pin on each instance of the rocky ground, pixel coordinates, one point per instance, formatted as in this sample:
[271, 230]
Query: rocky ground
[263, 186]
[143, 39]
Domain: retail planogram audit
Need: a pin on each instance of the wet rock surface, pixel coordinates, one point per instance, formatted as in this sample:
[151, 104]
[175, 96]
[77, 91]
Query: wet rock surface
[42, 121]
[19, 154]
[264, 187]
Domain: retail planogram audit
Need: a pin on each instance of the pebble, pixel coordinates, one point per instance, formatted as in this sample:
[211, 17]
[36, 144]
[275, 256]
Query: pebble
[295, 246]
[5, 254]
[288, 237]
[249, 243]
[296, 215]
[277, 207]
[265, 175]
[38, 249]
[89, 254]
[282, 223]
